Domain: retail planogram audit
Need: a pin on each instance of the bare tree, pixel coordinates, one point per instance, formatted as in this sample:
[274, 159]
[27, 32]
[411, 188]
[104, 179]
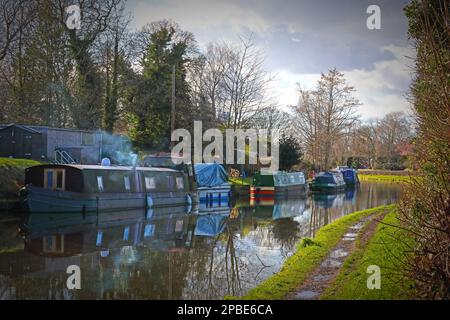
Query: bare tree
[273, 119]
[245, 83]
[393, 129]
[323, 116]
[15, 15]
[366, 140]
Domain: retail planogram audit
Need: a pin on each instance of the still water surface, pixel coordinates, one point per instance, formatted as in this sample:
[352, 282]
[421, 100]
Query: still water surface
[166, 254]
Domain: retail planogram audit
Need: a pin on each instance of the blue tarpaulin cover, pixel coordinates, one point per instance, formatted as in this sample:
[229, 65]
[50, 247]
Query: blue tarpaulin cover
[210, 225]
[210, 174]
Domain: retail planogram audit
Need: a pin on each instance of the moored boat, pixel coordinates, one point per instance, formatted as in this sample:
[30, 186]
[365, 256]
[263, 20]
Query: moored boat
[213, 187]
[278, 184]
[350, 175]
[91, 188]
[328, 181]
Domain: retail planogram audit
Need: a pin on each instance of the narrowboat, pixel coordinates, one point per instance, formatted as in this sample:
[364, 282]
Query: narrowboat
[350, 175]
[165, 160]
[328, 181]
[278, 184]
[94, 188]
[213, 187]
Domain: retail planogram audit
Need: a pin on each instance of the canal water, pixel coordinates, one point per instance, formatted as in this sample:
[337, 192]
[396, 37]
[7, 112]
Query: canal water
[174, 253]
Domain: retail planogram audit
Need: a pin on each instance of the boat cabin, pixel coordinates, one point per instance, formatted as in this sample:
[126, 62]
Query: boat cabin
[350, 175]
[279, 179]
[106, 179]
[328, 180]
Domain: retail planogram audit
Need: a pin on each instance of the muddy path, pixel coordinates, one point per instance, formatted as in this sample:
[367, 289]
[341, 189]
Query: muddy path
[325, 274]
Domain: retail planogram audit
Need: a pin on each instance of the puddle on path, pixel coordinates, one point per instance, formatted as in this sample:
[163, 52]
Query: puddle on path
[338, 253]
[307, 294]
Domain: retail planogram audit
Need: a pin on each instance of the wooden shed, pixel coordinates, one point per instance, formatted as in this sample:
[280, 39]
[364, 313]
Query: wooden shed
[18, 141]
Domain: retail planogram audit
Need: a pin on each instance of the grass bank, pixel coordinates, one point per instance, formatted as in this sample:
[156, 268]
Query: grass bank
[309, 254]
[386, 175]
[385, 249]
[12, 172]
[384, 178]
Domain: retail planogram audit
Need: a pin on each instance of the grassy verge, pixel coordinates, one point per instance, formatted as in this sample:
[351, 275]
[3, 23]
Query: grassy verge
[383, 178]
[12, 172]
[385, 249]
[309, 254]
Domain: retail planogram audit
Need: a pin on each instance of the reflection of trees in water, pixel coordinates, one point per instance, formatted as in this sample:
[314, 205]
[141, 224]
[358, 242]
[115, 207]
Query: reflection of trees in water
[286, 232]
[216, 265]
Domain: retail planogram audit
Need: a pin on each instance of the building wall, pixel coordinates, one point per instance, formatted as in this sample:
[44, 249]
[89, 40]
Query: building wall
[90, 152]
[71, 140]
[85, 152]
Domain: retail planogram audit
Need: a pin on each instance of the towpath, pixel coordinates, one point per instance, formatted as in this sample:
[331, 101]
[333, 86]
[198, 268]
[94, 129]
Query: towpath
[324, 275]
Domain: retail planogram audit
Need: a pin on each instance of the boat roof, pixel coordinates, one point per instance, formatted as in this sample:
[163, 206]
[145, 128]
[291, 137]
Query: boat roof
[112, 168]
[328, 173]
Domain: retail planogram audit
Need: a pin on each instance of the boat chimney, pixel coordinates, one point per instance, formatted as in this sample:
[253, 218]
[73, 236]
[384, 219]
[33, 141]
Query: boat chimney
[106, 162]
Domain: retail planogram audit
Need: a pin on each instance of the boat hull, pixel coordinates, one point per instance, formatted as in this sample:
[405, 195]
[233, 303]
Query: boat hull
[44, 200]
[217, 194]
[281, 192]
[327, 187]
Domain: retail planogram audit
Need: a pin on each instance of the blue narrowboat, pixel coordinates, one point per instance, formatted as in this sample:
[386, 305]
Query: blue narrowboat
[94, 188]
[350, 175]
[213, 187]
[328, 181]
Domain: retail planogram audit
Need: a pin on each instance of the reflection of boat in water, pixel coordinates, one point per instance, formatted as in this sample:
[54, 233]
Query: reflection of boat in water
[210, 225]
[350, 193]
[277, 209]
[279, 185]
[80, 188]
[327, 201]
[63, 234]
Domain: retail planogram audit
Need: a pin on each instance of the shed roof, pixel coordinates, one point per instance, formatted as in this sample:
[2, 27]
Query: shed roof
[25, 128]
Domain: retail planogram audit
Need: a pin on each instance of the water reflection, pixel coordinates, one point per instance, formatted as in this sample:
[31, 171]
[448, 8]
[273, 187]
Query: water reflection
[172, 253]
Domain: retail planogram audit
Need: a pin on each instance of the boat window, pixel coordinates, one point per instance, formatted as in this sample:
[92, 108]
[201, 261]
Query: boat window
[126, 233]
[52, 245]
[49, 244]
[278, 181]
[60, 179]
[150, 183]
[126, 180]
[149, 230]
[54, 179]
[179, 226]
[170, 182]
[48, 183]
[100, 183]
[180, 183]
[98, 240]
[325, 179]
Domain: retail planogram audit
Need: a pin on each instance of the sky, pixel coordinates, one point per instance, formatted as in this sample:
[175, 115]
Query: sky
[304, 38]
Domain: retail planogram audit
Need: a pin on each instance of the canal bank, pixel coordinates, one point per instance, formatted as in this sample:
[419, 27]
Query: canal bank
[12, 173]
[333, 265]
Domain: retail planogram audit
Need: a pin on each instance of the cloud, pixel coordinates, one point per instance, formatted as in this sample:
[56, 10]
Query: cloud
[200, 14]
[381, 89]
[304, 38]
